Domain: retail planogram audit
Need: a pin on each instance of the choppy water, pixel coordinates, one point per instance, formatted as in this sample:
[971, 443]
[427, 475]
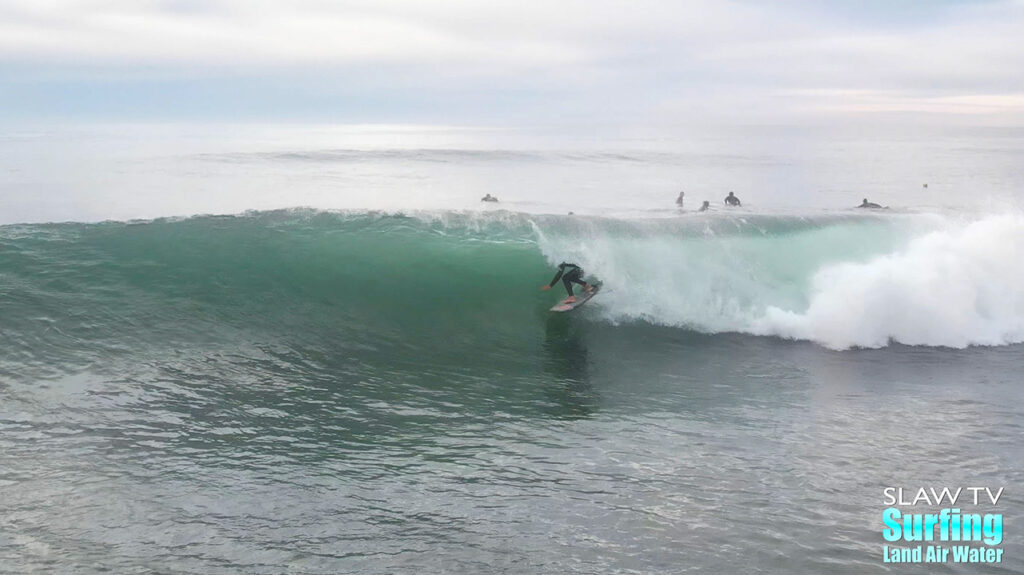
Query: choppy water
[381, 389]
[317, 392]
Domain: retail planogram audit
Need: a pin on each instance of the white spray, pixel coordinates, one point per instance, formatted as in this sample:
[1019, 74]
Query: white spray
[844, 283]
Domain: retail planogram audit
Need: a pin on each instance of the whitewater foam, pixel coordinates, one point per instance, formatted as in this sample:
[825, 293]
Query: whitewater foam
[841, 282]
[954, 287]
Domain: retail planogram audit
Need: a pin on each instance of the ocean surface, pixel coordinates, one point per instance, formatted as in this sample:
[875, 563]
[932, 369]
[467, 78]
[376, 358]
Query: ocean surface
[285, 350]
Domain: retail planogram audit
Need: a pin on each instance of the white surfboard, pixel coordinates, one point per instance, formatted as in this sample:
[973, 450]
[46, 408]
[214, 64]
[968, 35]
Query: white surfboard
[580, 300]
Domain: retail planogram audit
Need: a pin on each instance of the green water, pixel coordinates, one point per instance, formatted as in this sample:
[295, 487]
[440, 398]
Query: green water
[313, 392]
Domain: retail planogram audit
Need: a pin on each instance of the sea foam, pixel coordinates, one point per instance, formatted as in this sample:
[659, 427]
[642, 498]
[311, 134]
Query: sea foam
[841, 282]
[954, 287]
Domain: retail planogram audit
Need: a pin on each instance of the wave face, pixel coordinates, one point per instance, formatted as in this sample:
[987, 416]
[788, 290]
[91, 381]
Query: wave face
[429, 287]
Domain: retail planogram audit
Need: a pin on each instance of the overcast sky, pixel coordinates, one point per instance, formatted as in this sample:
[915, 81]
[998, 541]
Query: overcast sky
[524, 61]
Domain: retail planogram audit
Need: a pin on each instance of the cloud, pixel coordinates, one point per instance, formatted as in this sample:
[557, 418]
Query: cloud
[257, 33]
[612, 57]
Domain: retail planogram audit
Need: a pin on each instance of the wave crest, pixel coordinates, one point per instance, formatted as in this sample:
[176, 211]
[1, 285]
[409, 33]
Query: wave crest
[840, 282]
[953, 287]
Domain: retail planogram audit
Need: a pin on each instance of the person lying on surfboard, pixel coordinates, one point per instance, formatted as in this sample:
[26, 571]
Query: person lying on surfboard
[569, 274]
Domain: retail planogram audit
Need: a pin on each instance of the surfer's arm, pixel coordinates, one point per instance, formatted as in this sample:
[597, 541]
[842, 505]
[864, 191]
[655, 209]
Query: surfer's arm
[558, 276]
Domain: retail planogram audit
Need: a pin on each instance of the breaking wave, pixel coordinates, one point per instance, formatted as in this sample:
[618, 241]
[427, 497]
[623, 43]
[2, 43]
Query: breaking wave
[438, 283]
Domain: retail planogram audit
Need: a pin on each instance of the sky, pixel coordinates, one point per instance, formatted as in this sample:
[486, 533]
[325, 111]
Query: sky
[493, 62]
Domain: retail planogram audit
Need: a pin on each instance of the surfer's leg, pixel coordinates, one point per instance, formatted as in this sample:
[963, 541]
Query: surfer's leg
[571, 278]
[567, 282]
[577, 278]
[586, 286]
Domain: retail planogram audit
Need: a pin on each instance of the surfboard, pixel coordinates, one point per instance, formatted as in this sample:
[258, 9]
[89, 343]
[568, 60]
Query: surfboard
[580, 300]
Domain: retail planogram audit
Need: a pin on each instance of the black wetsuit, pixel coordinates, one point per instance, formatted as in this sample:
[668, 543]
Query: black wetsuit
[732, 201]
[569, 274]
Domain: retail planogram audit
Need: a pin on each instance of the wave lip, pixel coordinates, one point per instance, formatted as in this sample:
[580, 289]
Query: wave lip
[950, 288]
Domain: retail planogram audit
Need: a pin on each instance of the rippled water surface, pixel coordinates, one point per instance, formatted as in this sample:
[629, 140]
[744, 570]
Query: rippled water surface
[614, 449]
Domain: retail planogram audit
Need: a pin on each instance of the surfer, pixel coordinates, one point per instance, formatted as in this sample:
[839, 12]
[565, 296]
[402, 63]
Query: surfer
[679, 200]
[704, 207]
[867, 204]
[732, 200]
[488, 198]
[569, 274]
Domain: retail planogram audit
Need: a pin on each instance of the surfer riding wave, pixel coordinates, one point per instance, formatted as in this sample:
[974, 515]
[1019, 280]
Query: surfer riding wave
[569, 274]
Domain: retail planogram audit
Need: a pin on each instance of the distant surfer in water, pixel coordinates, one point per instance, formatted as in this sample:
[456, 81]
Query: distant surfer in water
[704, 207]
[569, 274]
[488, 198]
[679, 200]
[867, 204]
[732, 200]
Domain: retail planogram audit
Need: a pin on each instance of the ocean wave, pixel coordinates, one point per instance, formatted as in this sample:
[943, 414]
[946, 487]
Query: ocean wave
[842, 282]
[444, 282]
[954, 287]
